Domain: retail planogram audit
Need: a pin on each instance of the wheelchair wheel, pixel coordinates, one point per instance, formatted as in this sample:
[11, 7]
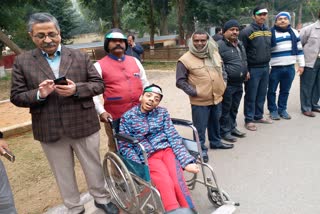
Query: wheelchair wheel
[120, 183]
[215, 198]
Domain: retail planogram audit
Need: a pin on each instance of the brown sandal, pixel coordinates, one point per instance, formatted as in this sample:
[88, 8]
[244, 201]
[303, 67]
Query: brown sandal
[264, 121]
[251, 126]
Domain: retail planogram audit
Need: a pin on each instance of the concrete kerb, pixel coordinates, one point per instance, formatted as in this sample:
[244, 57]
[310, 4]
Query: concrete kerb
[86, 199]
[15, 129]
[4, 101]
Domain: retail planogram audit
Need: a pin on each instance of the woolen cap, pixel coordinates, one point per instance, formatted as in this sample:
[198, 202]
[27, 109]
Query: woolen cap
[229, 24]
[283, 13]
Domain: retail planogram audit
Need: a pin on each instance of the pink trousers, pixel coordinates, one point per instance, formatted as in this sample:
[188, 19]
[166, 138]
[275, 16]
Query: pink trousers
[167, 175]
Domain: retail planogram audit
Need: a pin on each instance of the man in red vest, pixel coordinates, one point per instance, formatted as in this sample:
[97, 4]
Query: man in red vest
[124, 79]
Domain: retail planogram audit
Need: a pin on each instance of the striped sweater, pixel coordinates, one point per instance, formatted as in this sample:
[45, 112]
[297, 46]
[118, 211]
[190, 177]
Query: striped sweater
[155, 131]
[281, 53]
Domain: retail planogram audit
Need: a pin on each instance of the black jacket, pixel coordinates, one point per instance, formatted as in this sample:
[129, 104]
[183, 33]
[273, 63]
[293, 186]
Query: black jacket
[234, 60]
[257, 42]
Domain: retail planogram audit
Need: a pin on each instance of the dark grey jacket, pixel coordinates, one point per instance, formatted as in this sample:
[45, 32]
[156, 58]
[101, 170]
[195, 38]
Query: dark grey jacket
[257, 42]
[234, 60]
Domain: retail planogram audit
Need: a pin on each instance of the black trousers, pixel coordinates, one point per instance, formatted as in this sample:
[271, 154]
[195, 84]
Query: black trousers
[230, 105]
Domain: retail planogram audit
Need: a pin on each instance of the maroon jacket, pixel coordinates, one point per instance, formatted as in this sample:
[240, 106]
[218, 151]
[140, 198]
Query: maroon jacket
[74, 116]
[123, 85]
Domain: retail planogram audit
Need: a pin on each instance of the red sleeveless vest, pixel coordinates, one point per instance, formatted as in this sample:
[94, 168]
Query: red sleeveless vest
[123, 85]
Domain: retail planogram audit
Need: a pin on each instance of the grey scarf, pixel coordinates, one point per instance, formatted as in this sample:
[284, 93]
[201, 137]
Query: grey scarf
[207, 53]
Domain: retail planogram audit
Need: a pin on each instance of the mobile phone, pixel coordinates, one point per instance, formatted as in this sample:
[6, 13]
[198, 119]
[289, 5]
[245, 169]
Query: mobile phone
[9, 155]
[61, 81]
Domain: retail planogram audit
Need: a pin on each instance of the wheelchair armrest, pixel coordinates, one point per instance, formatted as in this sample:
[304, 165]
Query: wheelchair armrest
[126, 138]
[182, 122]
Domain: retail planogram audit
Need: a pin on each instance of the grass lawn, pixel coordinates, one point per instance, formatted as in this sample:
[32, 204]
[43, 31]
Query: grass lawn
[5, 85]
[159, 65]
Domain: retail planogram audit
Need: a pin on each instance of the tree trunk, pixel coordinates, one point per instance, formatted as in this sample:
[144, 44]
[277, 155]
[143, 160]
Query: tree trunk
[115, 14]
[299, 25]
[164, 18]
[5, 39]
[181, 8]
[152, 25]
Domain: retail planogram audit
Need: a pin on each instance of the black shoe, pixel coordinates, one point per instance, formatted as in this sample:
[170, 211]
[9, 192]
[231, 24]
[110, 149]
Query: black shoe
[229, 138]
[205, 156]
[237, 133]
[109, 208]
[222, 146]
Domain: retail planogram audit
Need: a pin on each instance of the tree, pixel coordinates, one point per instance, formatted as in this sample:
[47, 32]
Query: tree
[115, 13]
[181, 11]
[6, 40]
[162, 7]
[66, 16]
[151, 24]
[104, 11]
[13, 16]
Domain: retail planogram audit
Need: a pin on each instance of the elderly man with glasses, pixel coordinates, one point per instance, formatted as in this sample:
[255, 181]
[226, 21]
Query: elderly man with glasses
[64, 119]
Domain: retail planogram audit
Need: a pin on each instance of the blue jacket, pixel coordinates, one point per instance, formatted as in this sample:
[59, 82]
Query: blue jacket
[155, 131]
[136, 51]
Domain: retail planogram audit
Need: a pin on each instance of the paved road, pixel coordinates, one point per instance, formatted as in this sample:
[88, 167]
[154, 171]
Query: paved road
[274, 170]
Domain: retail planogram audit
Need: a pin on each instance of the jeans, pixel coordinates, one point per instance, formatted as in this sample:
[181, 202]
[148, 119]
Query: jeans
[310, 88]
[284, 76]
[6, 197]
[230, 104]
[255, 93]
[207, 117]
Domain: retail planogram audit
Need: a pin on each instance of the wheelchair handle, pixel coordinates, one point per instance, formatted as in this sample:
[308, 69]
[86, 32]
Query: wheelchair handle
[126, 138]
[182, 122]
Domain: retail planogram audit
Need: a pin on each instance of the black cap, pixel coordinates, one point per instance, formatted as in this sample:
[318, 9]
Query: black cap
[229, 24]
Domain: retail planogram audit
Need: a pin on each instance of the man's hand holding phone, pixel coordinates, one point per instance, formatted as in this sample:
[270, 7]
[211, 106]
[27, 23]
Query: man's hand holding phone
[65, 87]
[5, 152]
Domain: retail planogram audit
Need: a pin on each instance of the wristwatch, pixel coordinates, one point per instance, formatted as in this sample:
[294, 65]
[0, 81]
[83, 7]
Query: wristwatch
[1, 135]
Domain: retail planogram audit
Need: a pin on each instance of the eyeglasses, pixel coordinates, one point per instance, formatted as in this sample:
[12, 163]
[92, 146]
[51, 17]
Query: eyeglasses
[43, 36]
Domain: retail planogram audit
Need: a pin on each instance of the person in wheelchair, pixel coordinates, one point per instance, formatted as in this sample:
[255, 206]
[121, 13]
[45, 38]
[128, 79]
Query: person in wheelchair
[152, 127]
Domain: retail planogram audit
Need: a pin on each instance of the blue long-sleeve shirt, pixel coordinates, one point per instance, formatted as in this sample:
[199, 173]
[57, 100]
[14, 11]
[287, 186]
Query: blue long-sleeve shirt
[155, 131]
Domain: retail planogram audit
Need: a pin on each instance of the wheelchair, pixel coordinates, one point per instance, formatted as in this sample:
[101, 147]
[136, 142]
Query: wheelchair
[130, 183]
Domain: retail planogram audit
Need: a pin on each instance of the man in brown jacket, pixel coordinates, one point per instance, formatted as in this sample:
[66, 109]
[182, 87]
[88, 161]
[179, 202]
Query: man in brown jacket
[64, 119]
[200, 75]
